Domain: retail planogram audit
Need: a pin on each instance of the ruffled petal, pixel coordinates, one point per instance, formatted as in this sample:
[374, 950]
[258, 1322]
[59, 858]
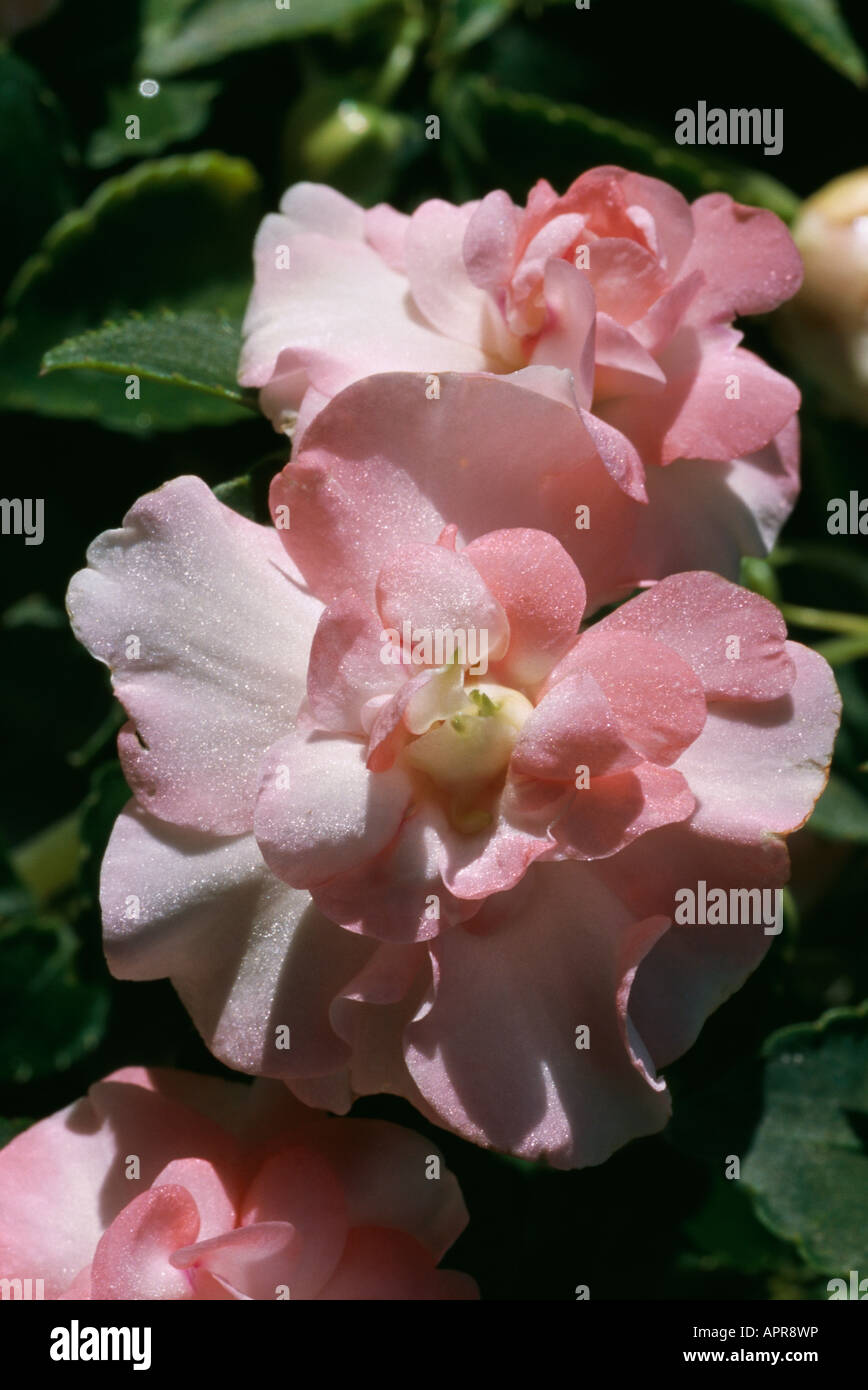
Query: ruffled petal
[382, 1265]
[383, 466]
[346, 669]
[542, 594]
[495, 1050]
[206, 627]
[321, 811]
[250, 957]
[759, 768]
[734, 640]
[436, 590]
[747, 256]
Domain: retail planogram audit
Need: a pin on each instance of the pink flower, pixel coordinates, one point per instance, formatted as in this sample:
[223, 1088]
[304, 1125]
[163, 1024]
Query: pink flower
[164, 1185]
[435, 878]
[617, 298]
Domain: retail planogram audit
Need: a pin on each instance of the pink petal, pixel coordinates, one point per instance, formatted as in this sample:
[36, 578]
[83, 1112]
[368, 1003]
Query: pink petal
[370, 1015]
[573, 724]
[618, 455]
[541, 592]
[690, 971]
[382, 467]
[748, 257]
[299, 1186]
[697, 415]
[616, 809]
[321, 812]
[706, 515]
[622, 364]
[317, 315]
[206, 628]
[132, 1258]
[491, 861]
[495, 1053]
[673, 223]
[627, 278]
[389, 895]
[697, 615]
[435, 589]
[655, 696]
[441, 286]
[658, 326]
[386, 231]
[489, 243]
[431, 695]
[251, 1262]
[383, 1170]
[759, 768]
[345, 669]
[247, 954]
[214, 1203]
[568, 337]
[389, 1265]
[79, 1289]
[71, 1169]
[526, 297]
[599, 194]
[315, 207]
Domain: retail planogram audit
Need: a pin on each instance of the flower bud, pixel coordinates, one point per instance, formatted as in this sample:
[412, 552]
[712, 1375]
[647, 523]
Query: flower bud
[826, 326]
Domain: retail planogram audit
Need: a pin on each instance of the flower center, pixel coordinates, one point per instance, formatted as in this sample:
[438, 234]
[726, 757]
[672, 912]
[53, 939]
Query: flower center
[466, 754]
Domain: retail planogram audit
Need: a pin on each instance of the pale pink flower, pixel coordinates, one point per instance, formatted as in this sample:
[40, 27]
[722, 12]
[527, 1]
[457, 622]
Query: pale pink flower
[395, 860]
[163, 1185]
[617, 297]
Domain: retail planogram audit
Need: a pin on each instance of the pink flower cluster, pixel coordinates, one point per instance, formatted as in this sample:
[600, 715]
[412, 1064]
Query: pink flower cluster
[408, 815]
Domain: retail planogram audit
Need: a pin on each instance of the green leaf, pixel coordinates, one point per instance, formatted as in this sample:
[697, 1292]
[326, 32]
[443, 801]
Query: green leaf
[179, 111]
[841, 812]
[197, 351]
[50, 1018]
[808, 1164]
[171, 234]
[514, 137]
[729, 1234]
[35, 157]
[214, 29]
[820, 25]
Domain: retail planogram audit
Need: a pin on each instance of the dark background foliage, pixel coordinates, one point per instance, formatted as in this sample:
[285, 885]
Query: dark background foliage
[153, 237]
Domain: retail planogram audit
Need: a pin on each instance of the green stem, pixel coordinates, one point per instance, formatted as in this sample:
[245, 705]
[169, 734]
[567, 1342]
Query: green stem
[842, 650]
[401, 57]
[823, 620]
